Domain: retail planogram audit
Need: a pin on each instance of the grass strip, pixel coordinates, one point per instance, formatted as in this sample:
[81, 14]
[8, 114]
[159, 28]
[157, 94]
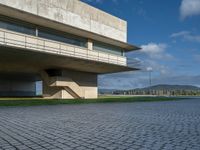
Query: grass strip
[39, 101]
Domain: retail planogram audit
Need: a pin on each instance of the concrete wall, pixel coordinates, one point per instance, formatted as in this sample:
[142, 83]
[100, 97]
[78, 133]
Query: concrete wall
[87, 82]
[54, 92]
[83, 84]
[74, 13]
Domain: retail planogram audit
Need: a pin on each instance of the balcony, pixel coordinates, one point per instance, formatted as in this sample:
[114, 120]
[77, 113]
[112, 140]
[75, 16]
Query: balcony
[36, 44]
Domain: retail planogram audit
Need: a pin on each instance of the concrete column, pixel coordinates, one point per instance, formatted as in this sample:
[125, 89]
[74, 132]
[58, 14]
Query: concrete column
[90, 44]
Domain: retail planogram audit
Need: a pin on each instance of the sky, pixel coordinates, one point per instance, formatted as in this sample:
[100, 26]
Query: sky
[168, 33]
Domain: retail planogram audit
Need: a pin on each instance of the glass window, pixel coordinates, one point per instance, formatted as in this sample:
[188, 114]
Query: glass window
[30, 29]
[62, 37]
[107, 48]
[17, 27]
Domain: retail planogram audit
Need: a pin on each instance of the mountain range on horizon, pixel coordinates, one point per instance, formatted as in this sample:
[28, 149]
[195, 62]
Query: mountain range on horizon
[171, 87]
[155, 87]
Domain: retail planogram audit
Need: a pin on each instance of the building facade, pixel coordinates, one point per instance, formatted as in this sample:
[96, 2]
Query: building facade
[64, 43]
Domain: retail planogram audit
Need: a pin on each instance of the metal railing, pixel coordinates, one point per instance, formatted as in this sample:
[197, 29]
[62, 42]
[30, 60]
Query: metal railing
[13, 39]
[134, 63]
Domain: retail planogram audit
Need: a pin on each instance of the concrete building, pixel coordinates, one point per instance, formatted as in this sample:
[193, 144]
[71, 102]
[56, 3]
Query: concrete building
[64, 43]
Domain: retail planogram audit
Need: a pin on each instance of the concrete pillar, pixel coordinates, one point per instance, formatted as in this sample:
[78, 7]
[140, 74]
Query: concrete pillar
[90, 44]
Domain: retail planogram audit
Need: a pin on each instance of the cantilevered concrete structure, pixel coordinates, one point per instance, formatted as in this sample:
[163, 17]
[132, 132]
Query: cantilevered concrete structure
[64, 43]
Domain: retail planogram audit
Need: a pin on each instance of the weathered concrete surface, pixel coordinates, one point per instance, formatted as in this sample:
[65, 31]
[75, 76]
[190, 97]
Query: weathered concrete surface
[74, 13]
[129, 126]
[69, 85]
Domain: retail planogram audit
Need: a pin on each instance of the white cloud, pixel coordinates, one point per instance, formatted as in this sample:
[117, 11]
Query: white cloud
[153, 48]
[153, 57]
[156, 66]
[178, 34]
[186, 35]
[156, 51]
[189, 8]
[149, 69]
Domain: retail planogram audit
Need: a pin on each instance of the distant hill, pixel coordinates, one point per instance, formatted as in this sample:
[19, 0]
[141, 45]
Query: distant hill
[171, 87]
[162, 90]
[146, 90]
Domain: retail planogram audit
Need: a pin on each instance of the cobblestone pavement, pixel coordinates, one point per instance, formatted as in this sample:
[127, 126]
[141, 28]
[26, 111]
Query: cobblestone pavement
[171, 125]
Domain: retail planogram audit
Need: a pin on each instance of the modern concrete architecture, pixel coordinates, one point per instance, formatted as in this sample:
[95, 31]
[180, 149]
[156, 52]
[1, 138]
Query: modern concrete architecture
[64, 43]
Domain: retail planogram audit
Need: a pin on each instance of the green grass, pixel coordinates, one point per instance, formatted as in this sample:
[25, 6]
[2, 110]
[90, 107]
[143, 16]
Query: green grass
[107, 99]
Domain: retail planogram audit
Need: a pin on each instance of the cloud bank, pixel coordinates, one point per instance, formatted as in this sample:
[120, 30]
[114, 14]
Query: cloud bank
[186, 35]
[189, 8]
[156, 51]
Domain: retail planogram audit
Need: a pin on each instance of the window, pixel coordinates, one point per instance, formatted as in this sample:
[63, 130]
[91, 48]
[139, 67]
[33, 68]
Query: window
[107, 48]
[30, 29]
[62, 37]
[16, 26]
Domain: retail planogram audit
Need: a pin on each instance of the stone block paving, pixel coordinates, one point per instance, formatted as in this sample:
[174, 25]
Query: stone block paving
[168, 125]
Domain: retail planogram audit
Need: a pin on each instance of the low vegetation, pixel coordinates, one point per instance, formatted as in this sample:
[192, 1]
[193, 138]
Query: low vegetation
[107, 99]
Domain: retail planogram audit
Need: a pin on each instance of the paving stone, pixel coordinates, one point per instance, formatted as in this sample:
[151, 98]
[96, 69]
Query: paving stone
[135, 126]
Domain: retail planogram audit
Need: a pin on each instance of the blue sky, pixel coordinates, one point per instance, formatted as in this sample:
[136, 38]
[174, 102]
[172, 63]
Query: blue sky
[168, 33]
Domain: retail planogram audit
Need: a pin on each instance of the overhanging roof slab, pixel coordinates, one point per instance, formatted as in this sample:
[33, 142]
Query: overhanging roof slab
[19, 60]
